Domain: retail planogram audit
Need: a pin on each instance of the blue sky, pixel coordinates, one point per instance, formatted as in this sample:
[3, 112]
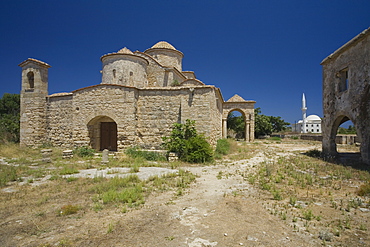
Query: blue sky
[268, 51]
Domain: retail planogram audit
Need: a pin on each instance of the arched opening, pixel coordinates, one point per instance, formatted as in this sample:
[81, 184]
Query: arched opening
[103, 133]
[346, 141]
[236, 127]
[31, 80]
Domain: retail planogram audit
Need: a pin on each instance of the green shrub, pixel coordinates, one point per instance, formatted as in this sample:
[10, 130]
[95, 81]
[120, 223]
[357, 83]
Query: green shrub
[189, 146]
[84, 151]
[223, 147]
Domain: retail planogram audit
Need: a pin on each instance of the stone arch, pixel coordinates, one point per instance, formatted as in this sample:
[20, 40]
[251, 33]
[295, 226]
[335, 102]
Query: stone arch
[330, 140]
[103, 133]
[246, 108]
[244, 118]
[249, 129]
[333, 131]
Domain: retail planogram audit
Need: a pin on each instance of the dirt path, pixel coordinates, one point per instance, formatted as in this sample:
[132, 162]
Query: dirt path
[219, 210]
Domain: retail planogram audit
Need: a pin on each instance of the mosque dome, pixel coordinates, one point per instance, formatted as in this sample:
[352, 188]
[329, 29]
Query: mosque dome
[313, 118]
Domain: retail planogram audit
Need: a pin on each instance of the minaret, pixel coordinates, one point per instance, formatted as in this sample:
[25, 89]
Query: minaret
[304, 108]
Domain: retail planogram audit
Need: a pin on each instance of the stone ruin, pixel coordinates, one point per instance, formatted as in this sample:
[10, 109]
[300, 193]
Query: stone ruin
[346, 93]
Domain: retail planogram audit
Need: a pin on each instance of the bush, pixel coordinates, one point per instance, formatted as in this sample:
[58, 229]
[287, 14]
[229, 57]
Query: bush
[197, 150]
[189, 146]
[84, 151]
[223, 147]
[9, 118]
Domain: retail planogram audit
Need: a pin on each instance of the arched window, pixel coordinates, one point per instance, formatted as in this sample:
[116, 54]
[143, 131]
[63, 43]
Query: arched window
[114, 73]
[31, 79]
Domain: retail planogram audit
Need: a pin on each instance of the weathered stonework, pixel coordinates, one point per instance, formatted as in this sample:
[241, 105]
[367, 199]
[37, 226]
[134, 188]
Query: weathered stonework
[346, 93]
[140, 98]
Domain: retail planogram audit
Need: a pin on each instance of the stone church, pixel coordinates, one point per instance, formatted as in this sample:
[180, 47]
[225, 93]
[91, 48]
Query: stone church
[140, 97]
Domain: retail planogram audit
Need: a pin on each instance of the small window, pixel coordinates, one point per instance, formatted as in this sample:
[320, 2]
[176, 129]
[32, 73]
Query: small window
[114, 73]
[131, 73]
[343, 80]
[31, 79]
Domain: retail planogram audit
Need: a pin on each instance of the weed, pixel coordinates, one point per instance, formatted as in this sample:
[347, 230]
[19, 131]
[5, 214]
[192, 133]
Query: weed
[219, 175]
[68, 209]
[134, 169]
[110, 228]
[68, 169]
[71, 179]
[292, 200]
[308, 215]
[7, 174]
[136, 152]
[362, 227]
[170, 238]
[97, 207]
[84, 151]
[277, 195]
[283, 216]
[364, 189]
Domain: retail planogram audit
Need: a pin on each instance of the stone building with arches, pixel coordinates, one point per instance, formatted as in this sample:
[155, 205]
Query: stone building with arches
[346, 93]
[140, 97]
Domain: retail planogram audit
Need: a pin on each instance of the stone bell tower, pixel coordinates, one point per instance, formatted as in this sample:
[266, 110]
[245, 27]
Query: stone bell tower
[33, 102]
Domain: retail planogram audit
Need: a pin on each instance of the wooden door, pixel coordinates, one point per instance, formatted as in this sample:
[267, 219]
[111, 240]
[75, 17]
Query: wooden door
[108, 136]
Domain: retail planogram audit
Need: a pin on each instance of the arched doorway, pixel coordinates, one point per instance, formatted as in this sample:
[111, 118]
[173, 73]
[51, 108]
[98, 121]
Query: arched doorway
[236, 127]
[103, 133]
[342, 136]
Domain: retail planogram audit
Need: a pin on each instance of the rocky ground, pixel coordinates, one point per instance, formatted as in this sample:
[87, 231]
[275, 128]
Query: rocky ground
[221, 208]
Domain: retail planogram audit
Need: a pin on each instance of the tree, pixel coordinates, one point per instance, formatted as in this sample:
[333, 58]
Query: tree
[262, 124]
[237, 124]
[265, 125]
[278, 124]
[9, 117]
[189, 146]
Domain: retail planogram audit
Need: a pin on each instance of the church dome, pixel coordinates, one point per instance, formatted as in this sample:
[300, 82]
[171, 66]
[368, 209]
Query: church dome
[164, 45]
[313, 118]
[125, 50]
[166, 55]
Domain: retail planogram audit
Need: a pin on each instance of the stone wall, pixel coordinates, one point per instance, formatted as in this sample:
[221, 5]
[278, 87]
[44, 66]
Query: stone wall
[124, 69]
[59, 120]
[143, 117]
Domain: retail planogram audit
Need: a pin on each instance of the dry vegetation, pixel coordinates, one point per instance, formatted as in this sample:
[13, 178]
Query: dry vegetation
[314, 201]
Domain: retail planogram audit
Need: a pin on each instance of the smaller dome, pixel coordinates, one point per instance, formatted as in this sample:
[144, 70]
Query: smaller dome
[125, 50]
[164, 45]
[313, 118]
